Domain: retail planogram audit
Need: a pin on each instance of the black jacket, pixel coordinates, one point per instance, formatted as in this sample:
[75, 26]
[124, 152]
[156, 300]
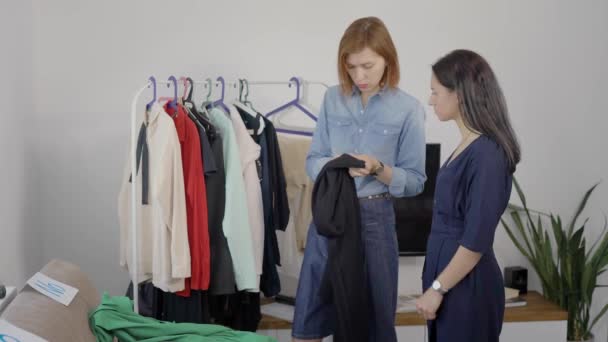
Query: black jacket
[336, 213]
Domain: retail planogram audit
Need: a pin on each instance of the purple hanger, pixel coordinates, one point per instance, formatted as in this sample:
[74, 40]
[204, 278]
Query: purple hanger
[173, 104]
[295, 102]
[149, 104]
[220, 102]
[289, 131]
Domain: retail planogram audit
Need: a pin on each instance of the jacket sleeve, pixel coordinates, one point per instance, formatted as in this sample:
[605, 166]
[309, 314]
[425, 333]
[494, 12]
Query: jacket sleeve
[280, 203]
[173, 202]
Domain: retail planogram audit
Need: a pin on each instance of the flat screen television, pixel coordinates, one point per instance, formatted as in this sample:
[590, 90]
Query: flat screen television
[413, 215]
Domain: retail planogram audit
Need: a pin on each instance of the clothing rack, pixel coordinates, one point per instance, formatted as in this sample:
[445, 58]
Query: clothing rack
[172, 81]
[302, 82]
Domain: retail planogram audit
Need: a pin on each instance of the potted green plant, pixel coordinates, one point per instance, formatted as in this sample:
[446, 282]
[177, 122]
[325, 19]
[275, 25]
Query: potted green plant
[567, 269]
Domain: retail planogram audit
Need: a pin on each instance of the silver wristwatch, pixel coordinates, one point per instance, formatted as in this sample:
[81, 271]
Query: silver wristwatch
[437, 287]
[378, 170]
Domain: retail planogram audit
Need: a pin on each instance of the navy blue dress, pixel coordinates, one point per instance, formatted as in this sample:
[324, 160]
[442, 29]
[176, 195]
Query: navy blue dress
[472, 193]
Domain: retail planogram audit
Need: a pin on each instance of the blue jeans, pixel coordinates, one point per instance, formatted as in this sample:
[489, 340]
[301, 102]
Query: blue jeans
[314, 318]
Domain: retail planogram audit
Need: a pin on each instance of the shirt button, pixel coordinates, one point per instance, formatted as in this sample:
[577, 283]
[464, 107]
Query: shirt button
[360, 130]
[384, 131]
[361, 111]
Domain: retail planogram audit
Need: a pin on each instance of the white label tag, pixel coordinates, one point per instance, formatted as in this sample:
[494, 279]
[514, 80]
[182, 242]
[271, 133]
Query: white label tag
[52, 288]
[11, 333]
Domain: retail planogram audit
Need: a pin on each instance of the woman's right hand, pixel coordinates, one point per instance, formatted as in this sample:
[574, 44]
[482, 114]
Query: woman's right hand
[370, 164]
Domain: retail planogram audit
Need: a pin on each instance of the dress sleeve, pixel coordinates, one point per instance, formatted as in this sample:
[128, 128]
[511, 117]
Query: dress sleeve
[488, 188]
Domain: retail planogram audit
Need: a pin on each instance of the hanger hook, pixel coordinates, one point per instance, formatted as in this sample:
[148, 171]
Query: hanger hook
[240, 89]
[174, 80]
[221, 80]
[246, 83]
[297, 82]
[153, 84]
[191, 82]
[210, 86]
[185, 83]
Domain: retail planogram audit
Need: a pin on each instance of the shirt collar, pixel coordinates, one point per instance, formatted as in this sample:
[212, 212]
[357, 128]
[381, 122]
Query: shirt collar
[179, 118]
[154, 112]
[383, 91]
[354, 101]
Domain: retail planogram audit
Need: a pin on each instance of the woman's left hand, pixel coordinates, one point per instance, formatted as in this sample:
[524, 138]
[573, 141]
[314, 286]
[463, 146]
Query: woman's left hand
[429, 303]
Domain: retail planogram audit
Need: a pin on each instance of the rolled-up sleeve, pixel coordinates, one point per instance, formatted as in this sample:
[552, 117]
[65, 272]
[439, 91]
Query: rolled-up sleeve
[409, 169]
[320, 149]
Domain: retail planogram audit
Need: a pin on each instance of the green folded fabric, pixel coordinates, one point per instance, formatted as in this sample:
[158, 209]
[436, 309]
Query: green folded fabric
[115, 317]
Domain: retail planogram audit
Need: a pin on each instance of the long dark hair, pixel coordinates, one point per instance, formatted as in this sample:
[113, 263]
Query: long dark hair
[482, 103]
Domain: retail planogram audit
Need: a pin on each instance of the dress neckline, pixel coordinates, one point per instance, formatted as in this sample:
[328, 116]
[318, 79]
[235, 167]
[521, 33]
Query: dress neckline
[450, 161]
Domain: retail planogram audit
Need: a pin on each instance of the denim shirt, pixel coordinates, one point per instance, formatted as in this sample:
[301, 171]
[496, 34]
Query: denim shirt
[390, 128]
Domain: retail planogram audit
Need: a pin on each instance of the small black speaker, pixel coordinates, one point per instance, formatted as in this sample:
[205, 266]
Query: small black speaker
[517, 277]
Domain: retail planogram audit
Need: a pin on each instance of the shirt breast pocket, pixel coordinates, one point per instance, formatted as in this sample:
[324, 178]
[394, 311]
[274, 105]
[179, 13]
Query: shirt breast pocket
[341, 135]
[385, 137]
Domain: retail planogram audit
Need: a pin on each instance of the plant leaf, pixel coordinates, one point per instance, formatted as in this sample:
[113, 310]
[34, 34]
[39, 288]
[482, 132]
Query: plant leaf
[520, 193]
[517, 244]
[598, 316]
[516, 207]
[522, 231]
[580, 208]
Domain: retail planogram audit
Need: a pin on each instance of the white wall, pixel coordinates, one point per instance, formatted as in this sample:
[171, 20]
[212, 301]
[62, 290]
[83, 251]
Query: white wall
[89, 57]
[19, 245]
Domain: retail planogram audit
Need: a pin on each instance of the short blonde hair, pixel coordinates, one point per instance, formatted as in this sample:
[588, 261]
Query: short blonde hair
[372, 33]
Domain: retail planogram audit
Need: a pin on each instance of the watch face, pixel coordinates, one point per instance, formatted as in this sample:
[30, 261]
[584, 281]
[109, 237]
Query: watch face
[436, 285]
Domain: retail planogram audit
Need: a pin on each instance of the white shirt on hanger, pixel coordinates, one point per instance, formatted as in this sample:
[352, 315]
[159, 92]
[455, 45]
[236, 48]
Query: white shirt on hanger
[249, 152]
[162, 241]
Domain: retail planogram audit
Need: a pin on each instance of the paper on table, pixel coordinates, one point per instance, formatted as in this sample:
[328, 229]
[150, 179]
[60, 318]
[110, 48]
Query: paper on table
[52, 288]
[511, 293]
[11, 333]
[517, 301]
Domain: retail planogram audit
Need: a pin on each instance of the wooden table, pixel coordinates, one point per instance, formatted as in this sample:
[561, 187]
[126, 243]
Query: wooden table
[521, 323]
